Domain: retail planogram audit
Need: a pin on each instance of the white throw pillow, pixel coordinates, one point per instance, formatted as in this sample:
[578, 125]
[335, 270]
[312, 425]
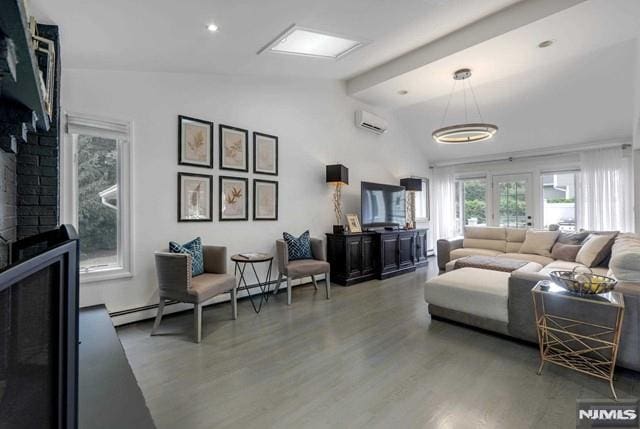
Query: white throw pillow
[595, 249]
[539, 242]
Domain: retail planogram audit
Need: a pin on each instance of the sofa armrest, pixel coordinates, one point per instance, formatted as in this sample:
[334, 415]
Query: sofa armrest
[444, 248]
[215, 259]
[520, 305]
[629, 353]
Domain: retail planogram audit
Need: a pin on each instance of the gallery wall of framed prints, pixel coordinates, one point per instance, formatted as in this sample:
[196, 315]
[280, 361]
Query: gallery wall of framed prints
[196, 148]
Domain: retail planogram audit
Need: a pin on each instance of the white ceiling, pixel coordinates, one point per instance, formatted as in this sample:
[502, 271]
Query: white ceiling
[578, 31]
[170, 35]
[579, 100]
[579, 90]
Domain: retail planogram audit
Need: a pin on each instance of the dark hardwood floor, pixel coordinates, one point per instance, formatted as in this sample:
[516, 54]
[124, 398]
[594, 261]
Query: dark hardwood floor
[370, 357]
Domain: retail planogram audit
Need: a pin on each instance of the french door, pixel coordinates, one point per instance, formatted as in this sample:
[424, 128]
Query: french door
[512, 201]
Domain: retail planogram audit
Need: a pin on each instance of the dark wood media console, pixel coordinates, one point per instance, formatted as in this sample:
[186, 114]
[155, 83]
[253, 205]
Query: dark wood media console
[358, 257]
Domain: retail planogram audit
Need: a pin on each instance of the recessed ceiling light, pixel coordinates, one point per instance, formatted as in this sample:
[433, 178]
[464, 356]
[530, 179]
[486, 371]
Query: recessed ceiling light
[403, 92]
[546, 43]
[212, 27]
[311, 43]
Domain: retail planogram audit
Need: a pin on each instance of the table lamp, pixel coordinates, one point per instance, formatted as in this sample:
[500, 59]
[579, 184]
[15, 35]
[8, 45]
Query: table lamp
[338, 174]
[411, 185]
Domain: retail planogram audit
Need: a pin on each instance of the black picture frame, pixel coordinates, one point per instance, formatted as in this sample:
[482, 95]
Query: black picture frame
[255, 153]
[181, 161]
[255, 195]
[221, 128]
[220, 197]
[204, 176]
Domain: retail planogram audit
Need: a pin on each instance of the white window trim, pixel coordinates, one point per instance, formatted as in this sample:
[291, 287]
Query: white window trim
[123, 130]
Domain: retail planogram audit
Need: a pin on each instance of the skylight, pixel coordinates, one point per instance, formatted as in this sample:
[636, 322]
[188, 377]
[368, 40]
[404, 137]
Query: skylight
[307, 42]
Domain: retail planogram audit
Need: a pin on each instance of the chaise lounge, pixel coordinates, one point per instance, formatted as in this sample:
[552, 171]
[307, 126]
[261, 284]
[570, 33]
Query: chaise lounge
[499, 299]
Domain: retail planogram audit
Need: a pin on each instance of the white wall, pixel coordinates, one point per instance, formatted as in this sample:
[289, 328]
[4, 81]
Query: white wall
[636, 137]
[313, 119]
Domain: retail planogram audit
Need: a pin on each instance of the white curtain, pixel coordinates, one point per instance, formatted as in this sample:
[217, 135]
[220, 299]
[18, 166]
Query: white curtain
[443, 198]
[606, 197]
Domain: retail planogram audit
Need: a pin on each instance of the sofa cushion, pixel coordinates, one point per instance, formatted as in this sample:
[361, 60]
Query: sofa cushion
[595, 249]
[625, 258]
[482, 237]
[461, 253]
[539, 242]
[515, 238]
[482, 293]
[565, 252]
[478, 243]
[542, 260]
[485, 232]
[572, 237]
[569, 266]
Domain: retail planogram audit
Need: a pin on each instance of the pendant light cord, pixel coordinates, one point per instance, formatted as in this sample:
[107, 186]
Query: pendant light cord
[446, 110]
[475, 100]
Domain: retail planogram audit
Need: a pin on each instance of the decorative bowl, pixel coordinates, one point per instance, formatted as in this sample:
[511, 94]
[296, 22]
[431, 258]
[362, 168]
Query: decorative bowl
[583, 283]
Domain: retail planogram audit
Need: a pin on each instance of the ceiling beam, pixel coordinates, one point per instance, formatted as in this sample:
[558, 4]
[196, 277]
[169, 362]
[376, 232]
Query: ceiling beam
[508, 19]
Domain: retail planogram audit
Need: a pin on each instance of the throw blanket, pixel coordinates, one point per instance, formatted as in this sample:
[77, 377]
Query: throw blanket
[490, 263]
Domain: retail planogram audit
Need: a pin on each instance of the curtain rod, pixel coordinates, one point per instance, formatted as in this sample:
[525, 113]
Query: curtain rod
[532, 154]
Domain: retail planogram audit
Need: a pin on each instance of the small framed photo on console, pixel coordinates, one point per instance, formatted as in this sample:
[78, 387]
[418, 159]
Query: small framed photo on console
[353, 223]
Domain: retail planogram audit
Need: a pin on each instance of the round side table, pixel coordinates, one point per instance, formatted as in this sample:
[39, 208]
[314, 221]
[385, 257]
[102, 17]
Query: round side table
[241, 261]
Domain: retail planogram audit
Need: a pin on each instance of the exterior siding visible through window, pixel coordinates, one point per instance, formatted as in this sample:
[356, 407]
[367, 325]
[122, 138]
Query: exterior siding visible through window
[96, 194]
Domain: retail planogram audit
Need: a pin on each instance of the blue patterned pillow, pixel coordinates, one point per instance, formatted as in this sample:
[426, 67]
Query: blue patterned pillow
[193, 248]
[299, 248]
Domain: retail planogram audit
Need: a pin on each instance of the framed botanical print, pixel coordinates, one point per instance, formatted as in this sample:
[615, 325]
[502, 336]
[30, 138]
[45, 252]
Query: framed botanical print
[195, 142]
[265, 200]
[234, 198]
[195, 197]
[234, 148]
[265, 154]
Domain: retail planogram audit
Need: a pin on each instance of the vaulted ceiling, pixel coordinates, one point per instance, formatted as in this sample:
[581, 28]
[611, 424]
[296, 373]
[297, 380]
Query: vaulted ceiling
[578, 90]
[171, 36]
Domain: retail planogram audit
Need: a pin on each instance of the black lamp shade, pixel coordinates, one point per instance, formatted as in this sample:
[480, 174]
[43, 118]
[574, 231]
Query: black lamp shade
[411, 184]
[337, 173]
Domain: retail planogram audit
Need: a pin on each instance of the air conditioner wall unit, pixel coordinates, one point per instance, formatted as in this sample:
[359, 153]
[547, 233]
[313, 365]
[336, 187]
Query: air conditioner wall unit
[371, 122]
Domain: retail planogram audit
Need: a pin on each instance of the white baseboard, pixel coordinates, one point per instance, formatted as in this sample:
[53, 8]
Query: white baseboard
[149, 312]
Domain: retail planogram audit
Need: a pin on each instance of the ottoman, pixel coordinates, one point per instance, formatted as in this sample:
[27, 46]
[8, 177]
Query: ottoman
[472, 296]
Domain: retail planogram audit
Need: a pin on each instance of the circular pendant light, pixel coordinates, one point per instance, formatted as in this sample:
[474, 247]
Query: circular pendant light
[467, 132]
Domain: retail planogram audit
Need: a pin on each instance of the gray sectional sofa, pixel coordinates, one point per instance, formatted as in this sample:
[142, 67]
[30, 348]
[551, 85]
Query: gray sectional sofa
[501, 301]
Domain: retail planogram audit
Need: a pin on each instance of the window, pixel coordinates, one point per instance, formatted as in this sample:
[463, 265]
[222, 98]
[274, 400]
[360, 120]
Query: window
[96, 194]
[559, 200]
[422, 202]
[471, 203]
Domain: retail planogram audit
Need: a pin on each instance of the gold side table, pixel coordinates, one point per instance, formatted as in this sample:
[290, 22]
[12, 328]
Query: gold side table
[580, 345]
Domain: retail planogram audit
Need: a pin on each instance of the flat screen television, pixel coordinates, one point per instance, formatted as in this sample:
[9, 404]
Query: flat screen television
[382, 205]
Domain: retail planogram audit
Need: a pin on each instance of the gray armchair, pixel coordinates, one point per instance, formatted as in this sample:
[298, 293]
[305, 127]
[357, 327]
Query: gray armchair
[175, 282]
[302, 267]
